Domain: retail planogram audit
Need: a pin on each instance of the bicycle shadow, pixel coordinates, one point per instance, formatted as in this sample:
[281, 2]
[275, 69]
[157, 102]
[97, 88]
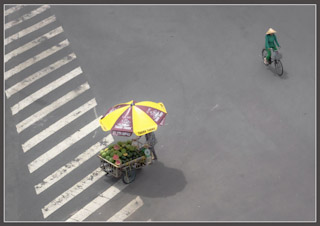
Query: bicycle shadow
[273, 70]
[157, 180]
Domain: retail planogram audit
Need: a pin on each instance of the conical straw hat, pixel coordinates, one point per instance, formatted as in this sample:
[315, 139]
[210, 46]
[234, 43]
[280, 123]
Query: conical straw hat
[270, 31]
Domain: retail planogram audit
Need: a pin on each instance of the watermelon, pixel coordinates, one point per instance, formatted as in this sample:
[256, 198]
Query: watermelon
[118, 162]
[116, 147]
[103, 154]
[115, 157]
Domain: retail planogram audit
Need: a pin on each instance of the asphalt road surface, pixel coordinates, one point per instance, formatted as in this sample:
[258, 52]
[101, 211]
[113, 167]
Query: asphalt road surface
[238, 143]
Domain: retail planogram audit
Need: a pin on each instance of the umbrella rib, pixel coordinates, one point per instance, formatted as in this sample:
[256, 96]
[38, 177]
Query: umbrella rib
[119, 118]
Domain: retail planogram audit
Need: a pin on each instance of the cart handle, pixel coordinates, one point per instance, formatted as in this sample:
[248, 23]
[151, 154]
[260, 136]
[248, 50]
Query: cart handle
[139, 144]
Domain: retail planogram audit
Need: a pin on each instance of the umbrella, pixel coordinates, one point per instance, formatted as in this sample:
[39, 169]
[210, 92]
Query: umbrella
[133, 117]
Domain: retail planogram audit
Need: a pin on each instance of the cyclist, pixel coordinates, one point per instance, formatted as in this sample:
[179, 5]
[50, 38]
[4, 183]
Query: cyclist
[271, 39]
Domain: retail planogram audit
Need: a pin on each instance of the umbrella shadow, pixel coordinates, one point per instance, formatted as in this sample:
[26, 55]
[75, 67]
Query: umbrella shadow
[157, 180]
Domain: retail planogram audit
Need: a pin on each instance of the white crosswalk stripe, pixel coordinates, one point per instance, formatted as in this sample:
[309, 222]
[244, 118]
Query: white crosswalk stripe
[58, 125]
[126, 211]
[35, 59]
[34, 77]
[72, 192]
[50, 108]
[45, 90]
[32, 44]
[27, 16]
[69, 167]
[63, 145]
[12, 10]
[98, 202]
[72, 139]
[29, 30]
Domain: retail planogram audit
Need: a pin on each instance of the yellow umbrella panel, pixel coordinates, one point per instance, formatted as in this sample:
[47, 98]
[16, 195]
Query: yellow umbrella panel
[134, 117]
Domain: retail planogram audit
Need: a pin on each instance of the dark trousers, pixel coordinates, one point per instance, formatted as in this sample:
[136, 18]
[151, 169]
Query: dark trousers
[153, 152]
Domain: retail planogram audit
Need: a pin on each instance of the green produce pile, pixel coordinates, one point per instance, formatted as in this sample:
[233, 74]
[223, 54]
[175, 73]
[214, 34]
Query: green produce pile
[121, 152]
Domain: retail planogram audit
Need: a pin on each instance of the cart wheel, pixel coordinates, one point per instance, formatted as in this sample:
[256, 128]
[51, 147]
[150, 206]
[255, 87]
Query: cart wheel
[129, 176]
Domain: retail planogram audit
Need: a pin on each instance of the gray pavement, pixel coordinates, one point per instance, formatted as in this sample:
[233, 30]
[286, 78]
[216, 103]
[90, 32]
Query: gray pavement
[239, 141]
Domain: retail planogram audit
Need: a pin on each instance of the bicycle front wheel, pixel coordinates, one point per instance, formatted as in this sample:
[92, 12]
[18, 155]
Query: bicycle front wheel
[278, 66]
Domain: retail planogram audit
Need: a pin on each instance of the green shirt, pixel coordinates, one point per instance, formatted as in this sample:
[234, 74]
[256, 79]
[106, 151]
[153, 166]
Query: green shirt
[270, 39]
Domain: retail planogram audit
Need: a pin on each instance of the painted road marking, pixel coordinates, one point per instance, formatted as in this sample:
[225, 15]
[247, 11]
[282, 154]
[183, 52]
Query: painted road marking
[126, 211]
[32, 44]
[26, 17]
[43, 72]
[35, 59]
[72, 192]
[45, 90]
[30, 29]
[58, 125]
[69, 167]
[50, 108]
[12, 10]
[98, 202]
[63, 145]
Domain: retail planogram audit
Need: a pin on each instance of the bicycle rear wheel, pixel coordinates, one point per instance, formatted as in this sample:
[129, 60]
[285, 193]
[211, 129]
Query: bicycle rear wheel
[278, 66]
[264, 55]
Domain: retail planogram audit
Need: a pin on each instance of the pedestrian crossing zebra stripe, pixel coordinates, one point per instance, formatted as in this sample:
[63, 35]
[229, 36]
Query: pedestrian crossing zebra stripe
[98, 202]
[32, 44]
[50, 108]
[29, 30]
[34, 77]
[12, 10]
[127, 211]
[63, 145]
[58, 125]
[35, 59]
[45, 90]
[27, 16]
[89, 180]
[69, 167]
[72, 192]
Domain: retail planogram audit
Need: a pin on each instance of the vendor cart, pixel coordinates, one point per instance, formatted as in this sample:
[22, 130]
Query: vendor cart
[126, 170]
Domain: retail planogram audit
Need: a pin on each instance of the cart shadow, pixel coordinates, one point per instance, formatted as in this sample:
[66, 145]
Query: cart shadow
[157, 180]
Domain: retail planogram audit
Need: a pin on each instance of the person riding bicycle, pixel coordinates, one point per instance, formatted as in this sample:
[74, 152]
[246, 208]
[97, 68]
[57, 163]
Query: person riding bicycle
[271, 39]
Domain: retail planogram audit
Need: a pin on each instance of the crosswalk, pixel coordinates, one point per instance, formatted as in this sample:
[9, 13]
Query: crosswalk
[99, 201]
[21, 54]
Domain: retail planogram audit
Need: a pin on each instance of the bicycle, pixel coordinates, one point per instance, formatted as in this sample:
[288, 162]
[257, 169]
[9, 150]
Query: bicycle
[275, 57]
